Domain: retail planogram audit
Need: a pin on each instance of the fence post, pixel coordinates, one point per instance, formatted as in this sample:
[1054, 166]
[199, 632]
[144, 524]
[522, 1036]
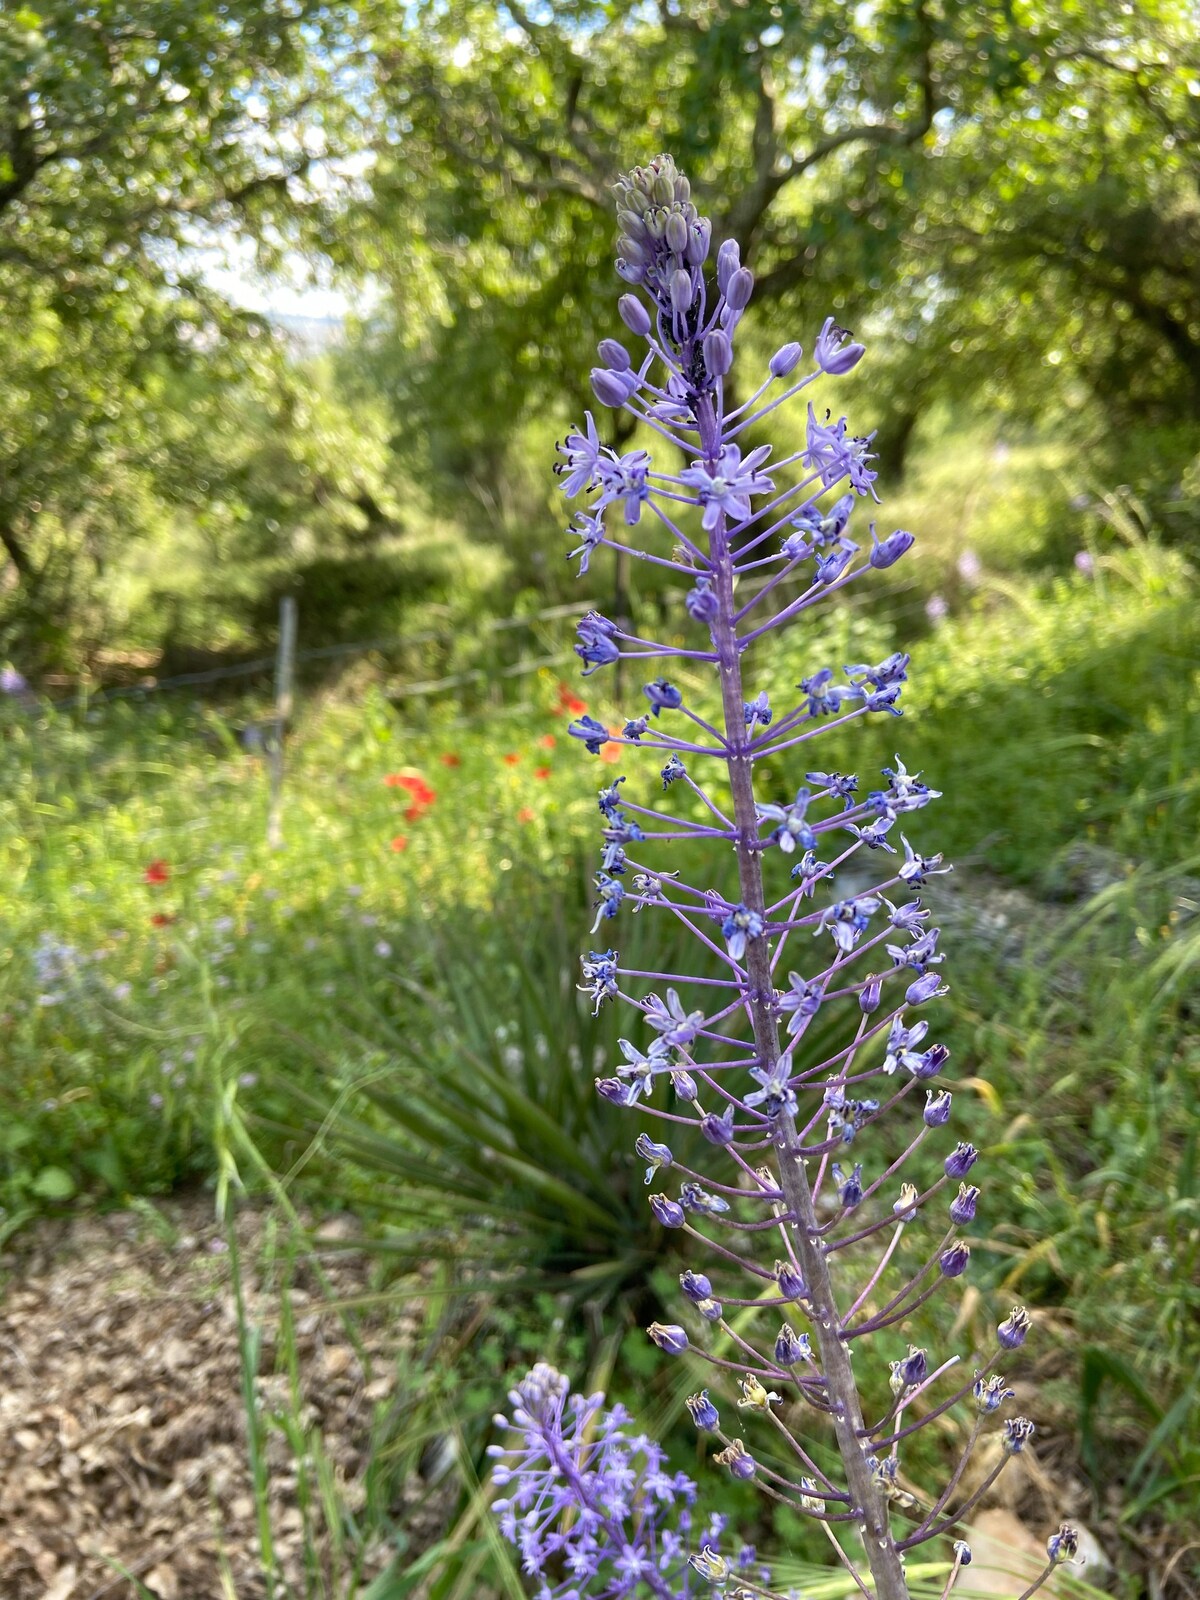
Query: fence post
[285, 662]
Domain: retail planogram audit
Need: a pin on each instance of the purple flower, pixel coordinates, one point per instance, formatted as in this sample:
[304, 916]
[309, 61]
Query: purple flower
[582, 452]
[624, 478]
[835, 456]
[792, 828]
[728, 487]
[770, 1080]
[589, 530]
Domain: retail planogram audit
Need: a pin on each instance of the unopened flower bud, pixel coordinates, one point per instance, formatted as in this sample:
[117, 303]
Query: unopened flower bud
[669, 1212]
[962, 1552]
[695, 1285]
[906, 1207]
[1016, 1434]
[634, 315]
[869, 995]
[960, 1160]
[676, 234]
[631, 224]
[739, 290]
[913, 1369]
[791, 1285]
[717, 1130]
[682, 292]
[610, 388]
[704, 1414]
[711, 1310]
[937, 1107]
[718, 353]
[954, 1259]
[701, 602]
[614, 354]
[699, 240]
[684, 1085]
[786, 359]
[1014, 1328]
[886, 552]
[729, 259]
[962, 1207]
[738, 1459]
[1063, 1545]
[791, 1347]
[668, 1336]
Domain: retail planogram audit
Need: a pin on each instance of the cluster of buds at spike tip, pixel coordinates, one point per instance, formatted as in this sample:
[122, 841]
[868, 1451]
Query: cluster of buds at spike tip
[805, 1021]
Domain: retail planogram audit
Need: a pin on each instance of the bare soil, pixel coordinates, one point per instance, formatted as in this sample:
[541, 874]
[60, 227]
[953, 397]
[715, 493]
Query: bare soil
[122, 1428]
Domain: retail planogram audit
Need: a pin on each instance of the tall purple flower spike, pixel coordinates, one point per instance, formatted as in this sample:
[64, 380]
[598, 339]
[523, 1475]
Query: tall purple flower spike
[791, 1226]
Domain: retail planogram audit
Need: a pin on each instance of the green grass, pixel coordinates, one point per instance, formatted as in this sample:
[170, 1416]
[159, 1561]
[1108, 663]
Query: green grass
[355, 1022]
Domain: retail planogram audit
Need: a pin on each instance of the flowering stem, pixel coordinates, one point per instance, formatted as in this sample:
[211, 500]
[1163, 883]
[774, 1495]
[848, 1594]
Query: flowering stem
[882, 1554]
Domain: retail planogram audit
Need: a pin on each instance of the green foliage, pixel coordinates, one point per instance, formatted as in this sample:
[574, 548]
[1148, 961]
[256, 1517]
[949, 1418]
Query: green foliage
[1006, 198]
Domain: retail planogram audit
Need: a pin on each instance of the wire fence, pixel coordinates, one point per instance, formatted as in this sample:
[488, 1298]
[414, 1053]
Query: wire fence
[263, 728]
[260, 666]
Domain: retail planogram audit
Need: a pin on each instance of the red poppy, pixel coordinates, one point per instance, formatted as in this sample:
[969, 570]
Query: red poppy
[449, 759]
[511, 759]
[612, 752]
[542, 772]
[415, 812]
[547, 741]
[157, 872]
[569, 701]
[400, 842]
[413, 784]
[526, 814]
[161, 919]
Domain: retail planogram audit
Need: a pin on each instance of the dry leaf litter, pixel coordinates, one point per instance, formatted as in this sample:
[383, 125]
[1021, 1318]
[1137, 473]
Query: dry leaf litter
[122, 1433]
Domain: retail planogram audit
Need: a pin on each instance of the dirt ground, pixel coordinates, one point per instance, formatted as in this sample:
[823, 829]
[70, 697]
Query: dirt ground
[122, 1431]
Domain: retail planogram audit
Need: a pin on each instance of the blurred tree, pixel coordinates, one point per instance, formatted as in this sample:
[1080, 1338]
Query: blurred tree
[1002, 188]
[134, 135]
